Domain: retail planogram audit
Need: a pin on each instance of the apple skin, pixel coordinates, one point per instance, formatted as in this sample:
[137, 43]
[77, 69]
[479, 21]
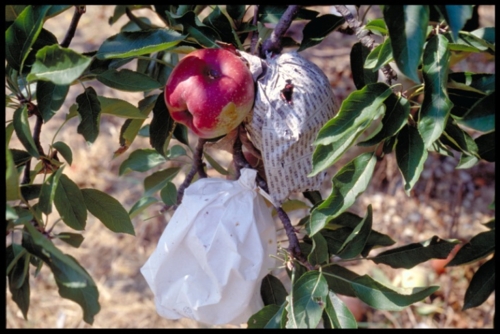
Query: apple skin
[210, 91]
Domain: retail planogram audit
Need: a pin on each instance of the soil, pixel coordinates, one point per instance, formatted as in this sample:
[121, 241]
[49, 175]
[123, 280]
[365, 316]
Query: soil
[446, 202]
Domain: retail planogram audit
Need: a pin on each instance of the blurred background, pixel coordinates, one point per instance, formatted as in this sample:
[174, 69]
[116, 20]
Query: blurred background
[445, 202]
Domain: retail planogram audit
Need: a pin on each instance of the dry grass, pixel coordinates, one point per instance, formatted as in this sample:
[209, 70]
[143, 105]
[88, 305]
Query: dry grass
[446, 202]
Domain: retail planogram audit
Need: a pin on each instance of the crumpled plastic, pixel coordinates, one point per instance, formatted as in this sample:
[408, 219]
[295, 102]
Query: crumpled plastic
[214, 253]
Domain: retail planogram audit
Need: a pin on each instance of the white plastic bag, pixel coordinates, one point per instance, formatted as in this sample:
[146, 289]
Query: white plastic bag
[214, 252]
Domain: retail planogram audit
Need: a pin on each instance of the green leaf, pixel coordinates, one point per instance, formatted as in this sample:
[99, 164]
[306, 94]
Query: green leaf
[381, 297]
[168, 194]
[410, 156]
[48, 191]
[481, 116]
[70, 204]
[59, 65]
[481, 286]
[50, 98]
[339, 279]
[141, 160]
[141, 205]
[395, 117]
[220, 23]
[486, 146]
[272, 291]
[456, 16]
[72, 239]
[89, 110]
[108, 210]
[355, 243]
[338, 314]
[131, 127]
[349, 182]
[484, 82]
[236, 12]
[436, 105]
[19, 285]
[22, 34]
[318, 28]
[162, 126]
[307, 300]
[360, 75]
[197, 31]
[268, 317]
[356, 113]
[480, 246]
[319, 252]
[410, 255]
[273, 13]
[379, 56]
[407, 26]
[215, 165]
[65, 151]
[136, 43]
[31, 191]
[13, 11]
[127, 80]
[460, 139]
[23, 131]
[158, 180]
[377, 25]
[119, 108]
[11, 178]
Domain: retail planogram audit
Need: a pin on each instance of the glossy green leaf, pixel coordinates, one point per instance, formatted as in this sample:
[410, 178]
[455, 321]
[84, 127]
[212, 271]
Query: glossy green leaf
[338, 314]
[136, 43]
[119, 108]
[272, 291]
[484, 82]
[215, 165]
[349, 182]
[127, 80]
[360, 75]
[141, 160]
[474, 42]
[410, 155]
[141, 205]
[477, 248]
[50, 98]
[355, 243]
[379, 56]
[176, 151]
[410, 255]
[268, 317]
[395, 117]
[339, 279]
[481, 286]
[162, 126]
[23, 131]
[168, 194]
[319, 251]
[407, 26]
[307, 300]
[22, 34]
[381, 297]
[273, 13]
[481, 116]
[318, 28]
[18, 276]
[48, 191]
[377, 25]
[460, 139]
[456, 16]
[194, 28]
[59, 65]
[436, 105]
[64, 150]
[108, 210]
[356, 113]
[11, 178]
[220, 23]
[89, 109]
[486, 146]
[70, 204]
[158, 180]
[72, 239]
[131, 127]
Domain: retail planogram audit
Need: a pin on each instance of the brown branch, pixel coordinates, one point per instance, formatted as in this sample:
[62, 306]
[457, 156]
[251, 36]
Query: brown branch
[79, 11]
[273, 43]
[364, 36]
[197, 167]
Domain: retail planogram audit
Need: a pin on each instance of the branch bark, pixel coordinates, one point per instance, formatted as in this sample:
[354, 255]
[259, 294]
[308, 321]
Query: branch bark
[79, 11]
[273, 43]
[197, 167]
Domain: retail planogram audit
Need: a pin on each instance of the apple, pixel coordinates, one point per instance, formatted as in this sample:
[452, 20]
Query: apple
[210, 91]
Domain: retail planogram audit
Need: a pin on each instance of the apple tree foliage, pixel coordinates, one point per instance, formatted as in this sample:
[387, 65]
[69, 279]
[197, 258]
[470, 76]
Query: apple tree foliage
[447, 113]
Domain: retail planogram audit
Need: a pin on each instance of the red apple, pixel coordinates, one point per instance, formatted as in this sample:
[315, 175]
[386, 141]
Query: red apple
[210, 91]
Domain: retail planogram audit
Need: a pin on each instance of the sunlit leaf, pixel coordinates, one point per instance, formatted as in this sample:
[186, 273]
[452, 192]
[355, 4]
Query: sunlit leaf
[379, 56]
[355, 243]
[338, 314]
[141, 160]
[11, 178]
[319, 251]
[127, 80]
[23, 131]
[48, 191]
[119, 108]
[268, 317]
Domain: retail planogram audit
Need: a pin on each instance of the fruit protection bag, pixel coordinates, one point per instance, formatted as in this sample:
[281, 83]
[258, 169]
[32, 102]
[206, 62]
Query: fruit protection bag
[214, 252]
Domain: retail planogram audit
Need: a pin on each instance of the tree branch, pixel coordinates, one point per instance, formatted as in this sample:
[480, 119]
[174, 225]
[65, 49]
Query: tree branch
[79, 11]
[273, 43]
[197, 167]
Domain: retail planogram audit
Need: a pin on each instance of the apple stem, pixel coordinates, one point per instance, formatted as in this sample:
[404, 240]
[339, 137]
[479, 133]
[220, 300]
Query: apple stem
[293, 241]
[197, 167]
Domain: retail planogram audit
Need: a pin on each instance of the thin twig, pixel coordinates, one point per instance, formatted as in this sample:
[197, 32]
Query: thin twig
[197, 167]
[79, 11]
[273, 43]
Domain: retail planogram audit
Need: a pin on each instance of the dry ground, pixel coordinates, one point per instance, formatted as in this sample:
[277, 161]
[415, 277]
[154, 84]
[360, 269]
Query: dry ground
[446, 202]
